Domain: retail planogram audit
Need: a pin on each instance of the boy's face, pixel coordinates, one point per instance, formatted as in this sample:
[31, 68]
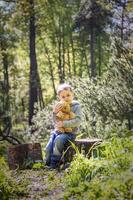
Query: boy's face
[66, 95]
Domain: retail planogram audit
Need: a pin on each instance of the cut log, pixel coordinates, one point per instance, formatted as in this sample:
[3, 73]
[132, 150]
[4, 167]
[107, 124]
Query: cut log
[22, 156]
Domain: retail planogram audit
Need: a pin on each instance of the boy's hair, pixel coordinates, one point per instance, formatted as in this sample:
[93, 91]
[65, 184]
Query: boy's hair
[62, 87]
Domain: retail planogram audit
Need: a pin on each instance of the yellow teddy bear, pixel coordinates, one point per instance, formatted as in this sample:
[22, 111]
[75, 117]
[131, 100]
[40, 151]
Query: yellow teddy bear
[64, 114]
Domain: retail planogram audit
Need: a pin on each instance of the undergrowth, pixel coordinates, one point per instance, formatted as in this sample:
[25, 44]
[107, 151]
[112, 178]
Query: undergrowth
[9, 188]
[107, 175]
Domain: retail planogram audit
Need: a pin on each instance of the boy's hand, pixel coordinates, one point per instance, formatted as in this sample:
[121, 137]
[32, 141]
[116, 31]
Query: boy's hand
[59, 124]
[57, 108]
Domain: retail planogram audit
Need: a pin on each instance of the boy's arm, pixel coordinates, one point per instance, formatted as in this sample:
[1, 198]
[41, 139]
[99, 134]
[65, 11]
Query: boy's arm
[75, 122]
[56, 109]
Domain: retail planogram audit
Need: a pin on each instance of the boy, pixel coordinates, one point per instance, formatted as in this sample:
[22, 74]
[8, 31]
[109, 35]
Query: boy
[58, 140]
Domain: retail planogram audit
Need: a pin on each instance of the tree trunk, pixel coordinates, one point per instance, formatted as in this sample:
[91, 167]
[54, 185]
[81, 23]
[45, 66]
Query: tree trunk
[59, 44]
[69, 63]
[99, 55]
[87, 64]
[23, 108]
[122, 22]
[40, 95]
[33, 85]
[60, 61]
[92, 59]
[51, 68]
[6, 104]
[82, 54]
[63, 53]
[73, 55]
[122, 19]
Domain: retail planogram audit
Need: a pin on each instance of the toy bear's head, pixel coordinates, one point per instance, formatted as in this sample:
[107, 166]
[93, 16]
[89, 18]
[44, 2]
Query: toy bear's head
[65, 106]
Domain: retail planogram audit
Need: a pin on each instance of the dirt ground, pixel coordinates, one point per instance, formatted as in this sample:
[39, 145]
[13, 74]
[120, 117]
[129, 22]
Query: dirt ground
[41, 184]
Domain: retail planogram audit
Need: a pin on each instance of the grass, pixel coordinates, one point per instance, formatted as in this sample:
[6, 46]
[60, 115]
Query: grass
[108, 175]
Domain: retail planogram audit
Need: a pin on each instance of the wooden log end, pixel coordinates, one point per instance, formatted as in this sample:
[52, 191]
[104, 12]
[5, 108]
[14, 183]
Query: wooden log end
[19, 156]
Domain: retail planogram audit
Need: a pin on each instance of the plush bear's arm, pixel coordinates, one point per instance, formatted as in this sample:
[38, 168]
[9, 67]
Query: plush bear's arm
[72, 115]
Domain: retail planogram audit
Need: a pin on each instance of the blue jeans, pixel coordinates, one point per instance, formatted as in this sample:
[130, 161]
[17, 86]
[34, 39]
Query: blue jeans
[56, 145]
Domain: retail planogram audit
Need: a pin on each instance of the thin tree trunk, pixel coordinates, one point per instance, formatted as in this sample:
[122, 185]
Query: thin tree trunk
[99, 55]
[123, 4]
[63, 53]
[87, 64]
[40, 95]
[69, 63]
[23, 107]
[33, 85]
[51, 68]
[6, 103]
[73, 55]
[122, 23]
[93, 73]
[92, 59]
[82, 54]
[60, 61]
[59, 44]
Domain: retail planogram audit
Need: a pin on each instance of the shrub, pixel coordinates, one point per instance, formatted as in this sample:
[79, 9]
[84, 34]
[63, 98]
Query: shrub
[42, 125]
[107, 176]
[8, 187]
[107, 101]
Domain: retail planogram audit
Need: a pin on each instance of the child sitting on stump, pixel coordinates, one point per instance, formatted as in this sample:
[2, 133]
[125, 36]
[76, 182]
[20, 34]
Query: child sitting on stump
[65, 127]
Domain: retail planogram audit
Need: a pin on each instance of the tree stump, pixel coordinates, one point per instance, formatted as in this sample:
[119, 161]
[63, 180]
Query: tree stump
[84, 146]
[22, 156]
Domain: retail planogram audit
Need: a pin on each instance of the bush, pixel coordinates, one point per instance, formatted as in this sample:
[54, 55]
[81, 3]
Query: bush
[8, 187]
[42, 125]
[107, 101]
[107, 176]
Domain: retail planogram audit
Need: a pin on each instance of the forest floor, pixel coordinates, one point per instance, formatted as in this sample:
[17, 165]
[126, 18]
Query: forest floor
[41, 184]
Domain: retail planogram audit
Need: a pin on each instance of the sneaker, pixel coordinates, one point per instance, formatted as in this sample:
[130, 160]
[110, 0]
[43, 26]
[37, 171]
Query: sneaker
[46, 163]
[50, 167]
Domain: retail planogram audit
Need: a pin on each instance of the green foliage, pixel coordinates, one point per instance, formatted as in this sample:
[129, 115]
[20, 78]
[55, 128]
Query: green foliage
[66, 49]
[97, 11]
[38, 165]
[107, 102]
[108, 176]
[27, 164]
[3, 149]
[8, 187]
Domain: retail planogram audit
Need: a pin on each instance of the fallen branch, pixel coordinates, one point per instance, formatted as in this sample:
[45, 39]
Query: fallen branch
[5, 135]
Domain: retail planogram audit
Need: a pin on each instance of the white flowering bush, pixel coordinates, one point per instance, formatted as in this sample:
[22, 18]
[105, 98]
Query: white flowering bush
[107, 102]
[42, 124]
